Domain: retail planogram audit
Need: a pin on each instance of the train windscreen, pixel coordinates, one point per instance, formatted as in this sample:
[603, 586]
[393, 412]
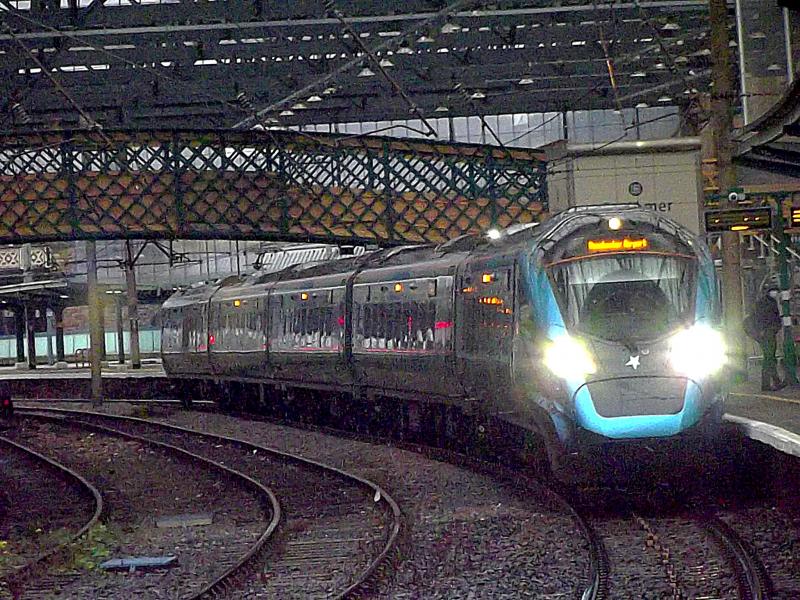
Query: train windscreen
[625, 297]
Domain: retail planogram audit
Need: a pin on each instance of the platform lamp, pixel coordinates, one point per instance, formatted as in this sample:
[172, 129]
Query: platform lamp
[779, 231]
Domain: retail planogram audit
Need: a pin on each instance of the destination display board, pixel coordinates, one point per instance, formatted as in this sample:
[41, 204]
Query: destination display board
[738, 219]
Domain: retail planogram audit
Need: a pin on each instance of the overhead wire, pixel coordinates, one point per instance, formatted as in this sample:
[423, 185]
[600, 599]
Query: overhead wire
[665, 51]
[388, 45]
[331, 6]
[91, 124]
[628, 58]
[157, 72]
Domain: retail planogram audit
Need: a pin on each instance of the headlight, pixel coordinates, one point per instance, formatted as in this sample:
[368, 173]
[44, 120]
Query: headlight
[568, 358]
[698, 352]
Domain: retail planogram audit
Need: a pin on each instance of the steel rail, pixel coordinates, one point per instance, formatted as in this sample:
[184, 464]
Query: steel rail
[752, 578]
[376, 492]
[597, 587]
[223, 582]
[16, 578]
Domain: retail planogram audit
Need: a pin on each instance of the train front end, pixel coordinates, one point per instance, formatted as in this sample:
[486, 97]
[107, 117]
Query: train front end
[628, 318]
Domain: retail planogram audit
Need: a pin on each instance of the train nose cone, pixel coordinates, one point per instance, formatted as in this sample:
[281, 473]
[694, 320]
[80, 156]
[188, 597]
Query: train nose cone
[637, 396]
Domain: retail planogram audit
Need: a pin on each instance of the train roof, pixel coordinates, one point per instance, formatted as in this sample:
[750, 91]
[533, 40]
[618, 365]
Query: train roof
[565, 223]
[556, 228]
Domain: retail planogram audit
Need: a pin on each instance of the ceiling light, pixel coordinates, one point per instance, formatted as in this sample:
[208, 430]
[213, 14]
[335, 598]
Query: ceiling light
[758, 35]
[386, 63]
[404, 50]
[441, 109]
[774, 67]
[448, 28]
[525, 81]
[671, 27]
[639, 74]
[366, 72]
[286, 113]
[328, 91]
[299, 106]
[642, 105]
[425, 40]
[314, 98]
[665, 99]
[478, 95]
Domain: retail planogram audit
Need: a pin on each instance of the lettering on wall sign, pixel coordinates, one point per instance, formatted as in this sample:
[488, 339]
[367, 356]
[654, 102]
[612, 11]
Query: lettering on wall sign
[659, 206]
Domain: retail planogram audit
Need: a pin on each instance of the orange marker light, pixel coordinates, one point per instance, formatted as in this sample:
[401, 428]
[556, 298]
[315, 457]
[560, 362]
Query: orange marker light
[398, 287]
[487, 278]
[304, 296]
[237, 303]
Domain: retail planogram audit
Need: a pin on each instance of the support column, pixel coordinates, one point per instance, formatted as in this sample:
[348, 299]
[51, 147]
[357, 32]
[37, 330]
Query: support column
[120, 330]
[30, 330]
[61, 359]
[133, 306]
[95, 324]
[722, 123]
[49, 316]
[19, 317]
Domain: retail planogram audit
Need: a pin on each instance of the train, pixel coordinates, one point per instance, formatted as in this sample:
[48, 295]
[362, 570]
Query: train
[601, 324]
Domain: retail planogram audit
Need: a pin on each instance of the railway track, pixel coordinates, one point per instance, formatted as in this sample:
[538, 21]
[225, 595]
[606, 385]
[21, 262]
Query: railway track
[684, 577]
[706, 558]
[591, 585]
[233, 564]
[689, 554]
[339, 530]
[15, 576]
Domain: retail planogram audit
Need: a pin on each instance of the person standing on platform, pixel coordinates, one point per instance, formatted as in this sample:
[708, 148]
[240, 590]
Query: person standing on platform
[763, 326]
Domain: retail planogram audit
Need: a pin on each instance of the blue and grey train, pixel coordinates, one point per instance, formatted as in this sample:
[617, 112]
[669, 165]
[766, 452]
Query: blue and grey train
[600, 324]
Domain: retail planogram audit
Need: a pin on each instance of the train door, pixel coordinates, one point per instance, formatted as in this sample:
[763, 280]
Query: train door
[485, 331]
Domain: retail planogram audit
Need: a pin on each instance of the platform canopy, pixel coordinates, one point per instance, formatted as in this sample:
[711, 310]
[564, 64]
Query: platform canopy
[126, 63]
[772, 143]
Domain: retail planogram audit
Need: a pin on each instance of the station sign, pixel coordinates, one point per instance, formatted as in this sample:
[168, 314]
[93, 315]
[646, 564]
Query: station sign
[739, 219]
[794, 217]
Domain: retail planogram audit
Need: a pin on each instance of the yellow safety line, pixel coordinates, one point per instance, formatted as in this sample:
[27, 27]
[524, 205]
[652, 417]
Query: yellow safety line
[767, 397]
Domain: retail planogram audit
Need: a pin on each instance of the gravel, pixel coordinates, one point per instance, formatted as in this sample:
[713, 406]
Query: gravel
[38, 508]
[139, 485]
[469, 536]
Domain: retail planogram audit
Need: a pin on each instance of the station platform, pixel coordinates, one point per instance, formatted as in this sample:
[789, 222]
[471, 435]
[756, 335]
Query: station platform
[150, 368]
[772, 418]
[71, 382]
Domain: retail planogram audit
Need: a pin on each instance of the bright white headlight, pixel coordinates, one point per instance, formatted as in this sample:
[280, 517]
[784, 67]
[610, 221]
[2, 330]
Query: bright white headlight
[568, 358]
[698, 352]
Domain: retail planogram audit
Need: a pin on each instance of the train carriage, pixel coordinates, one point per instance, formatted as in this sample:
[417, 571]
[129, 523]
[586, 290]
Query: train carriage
[601, 324]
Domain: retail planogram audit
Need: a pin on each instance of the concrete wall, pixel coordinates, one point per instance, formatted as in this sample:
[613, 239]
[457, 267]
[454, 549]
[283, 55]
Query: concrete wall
[662, 175]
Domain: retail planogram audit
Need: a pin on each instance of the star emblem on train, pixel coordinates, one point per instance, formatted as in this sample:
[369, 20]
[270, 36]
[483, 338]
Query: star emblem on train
[633, 362]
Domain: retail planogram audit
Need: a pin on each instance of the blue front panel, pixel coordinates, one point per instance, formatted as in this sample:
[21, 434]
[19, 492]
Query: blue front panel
[639, 426]
[547, 314]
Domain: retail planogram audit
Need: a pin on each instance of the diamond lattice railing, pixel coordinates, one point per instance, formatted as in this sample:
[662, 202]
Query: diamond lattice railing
[260, 185]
